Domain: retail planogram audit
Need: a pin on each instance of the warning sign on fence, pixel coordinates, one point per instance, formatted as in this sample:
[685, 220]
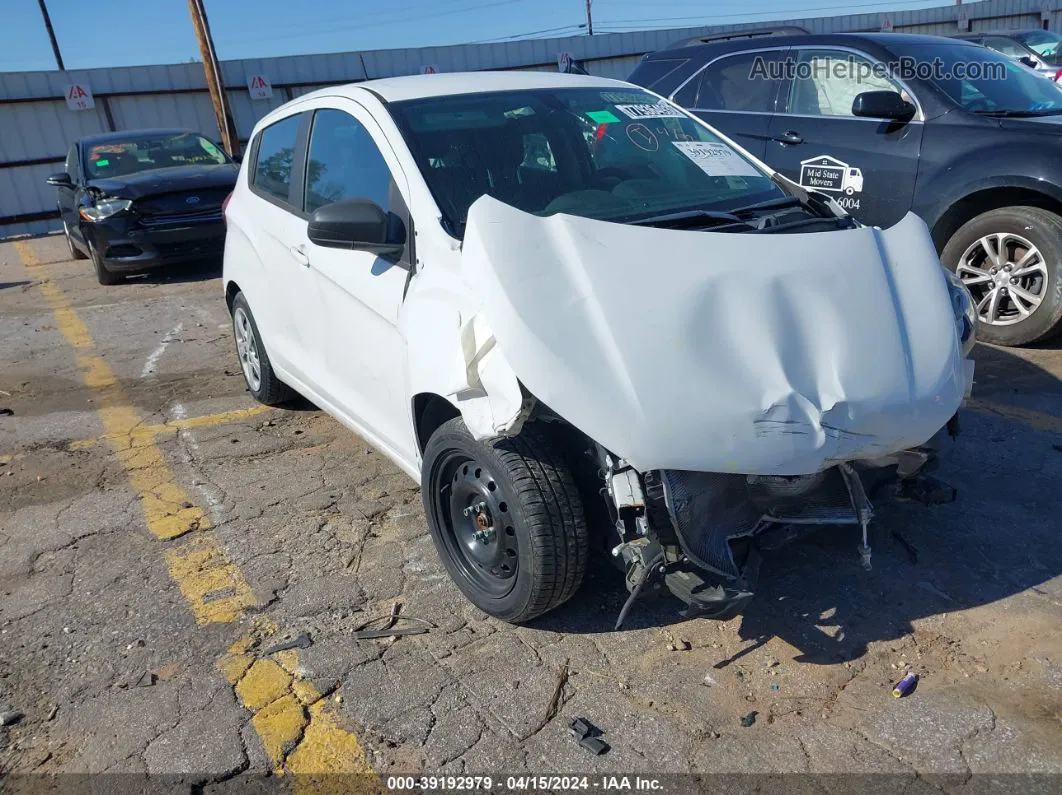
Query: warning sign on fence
[79, 97]
[259, 87]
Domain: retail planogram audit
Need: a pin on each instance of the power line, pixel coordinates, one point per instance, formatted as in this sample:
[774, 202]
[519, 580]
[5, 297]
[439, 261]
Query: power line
[531, 34]
[377, 23]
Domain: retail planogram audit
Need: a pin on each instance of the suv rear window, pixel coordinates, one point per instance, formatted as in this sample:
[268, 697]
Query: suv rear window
[734, 82]
[276, 149]
[649, 73]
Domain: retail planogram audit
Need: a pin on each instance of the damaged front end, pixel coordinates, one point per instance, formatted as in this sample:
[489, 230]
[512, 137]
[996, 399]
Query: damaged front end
[701, 533]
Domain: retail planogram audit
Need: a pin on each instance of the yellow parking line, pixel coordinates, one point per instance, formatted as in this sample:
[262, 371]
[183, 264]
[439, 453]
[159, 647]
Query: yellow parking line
[168, 511]
[149, 431]
[298, 730]
[289, 714]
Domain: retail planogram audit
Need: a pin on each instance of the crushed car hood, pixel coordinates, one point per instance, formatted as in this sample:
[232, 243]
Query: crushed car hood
[174, 178]
[722, 352]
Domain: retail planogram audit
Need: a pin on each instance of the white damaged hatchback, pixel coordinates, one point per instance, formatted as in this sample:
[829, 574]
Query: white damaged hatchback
[581, 318]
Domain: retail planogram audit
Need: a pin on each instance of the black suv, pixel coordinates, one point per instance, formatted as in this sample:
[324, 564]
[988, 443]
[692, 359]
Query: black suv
[887, 123]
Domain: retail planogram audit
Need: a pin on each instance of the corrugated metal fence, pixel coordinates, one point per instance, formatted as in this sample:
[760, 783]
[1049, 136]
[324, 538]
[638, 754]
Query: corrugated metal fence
[36, 127]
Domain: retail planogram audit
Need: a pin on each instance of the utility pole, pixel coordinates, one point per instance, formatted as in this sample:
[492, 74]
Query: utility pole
[51, 35]
[589, 20]
[229, 139]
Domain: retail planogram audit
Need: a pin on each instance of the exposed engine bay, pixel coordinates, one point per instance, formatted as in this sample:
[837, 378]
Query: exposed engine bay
[700, 533]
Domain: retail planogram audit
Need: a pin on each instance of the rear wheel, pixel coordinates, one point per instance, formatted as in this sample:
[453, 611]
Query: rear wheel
[506, 519]
[103, 275]
[75, 252]
[1011, 260]
[258, 374]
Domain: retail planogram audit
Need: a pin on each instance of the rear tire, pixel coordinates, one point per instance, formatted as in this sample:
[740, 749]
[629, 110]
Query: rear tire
[258, 374]
[75, 252]
[103, 275]
[1024, 245]
[520, 496]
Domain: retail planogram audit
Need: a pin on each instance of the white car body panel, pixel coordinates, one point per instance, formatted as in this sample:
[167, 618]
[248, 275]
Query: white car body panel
[723, 352]
[684, 349]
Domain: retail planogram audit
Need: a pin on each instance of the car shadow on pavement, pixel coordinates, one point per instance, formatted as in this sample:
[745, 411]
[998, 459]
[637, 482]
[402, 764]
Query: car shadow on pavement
[178, 274]
[999, 539]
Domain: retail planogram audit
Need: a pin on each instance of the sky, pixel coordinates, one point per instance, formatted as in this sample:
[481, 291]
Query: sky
[135, 32]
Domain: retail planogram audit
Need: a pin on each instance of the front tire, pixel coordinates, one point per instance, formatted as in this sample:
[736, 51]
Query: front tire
[506, 519]
[258, 374]
[103, 275]
[1011, 260]
[75, 252]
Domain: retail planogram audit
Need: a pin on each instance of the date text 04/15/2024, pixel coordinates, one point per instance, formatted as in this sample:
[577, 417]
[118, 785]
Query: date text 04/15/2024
[522, 783]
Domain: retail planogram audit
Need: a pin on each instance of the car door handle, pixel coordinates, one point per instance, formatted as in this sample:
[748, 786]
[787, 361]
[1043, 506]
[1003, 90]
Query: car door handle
[300, 255]
[789, 137]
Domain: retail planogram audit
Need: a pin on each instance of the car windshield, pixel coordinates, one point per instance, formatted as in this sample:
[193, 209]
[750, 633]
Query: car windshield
[123, 157]
[1044, 43]
[1020, 92]
[611, 154]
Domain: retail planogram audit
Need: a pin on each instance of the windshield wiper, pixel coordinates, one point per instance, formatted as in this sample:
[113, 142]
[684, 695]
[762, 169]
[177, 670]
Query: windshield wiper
[690, 218]
[1018, 114]
[773, 204]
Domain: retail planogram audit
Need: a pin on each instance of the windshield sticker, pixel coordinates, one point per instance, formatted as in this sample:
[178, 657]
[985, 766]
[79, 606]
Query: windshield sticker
[209, 147]
[602, 116]
[831, 175]
[661, 110]
[716, 160]
[623, 97]
[102, 162]
[642, 137]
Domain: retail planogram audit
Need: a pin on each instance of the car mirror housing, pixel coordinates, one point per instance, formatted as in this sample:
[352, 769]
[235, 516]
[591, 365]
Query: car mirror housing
[60, 180]
[882, 105]
[359, 225]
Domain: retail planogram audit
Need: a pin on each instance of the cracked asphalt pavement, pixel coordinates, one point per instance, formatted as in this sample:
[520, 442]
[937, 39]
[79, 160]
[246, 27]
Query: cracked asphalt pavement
[160, 536]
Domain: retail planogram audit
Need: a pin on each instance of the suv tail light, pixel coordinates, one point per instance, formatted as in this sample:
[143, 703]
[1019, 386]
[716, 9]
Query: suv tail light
[225, 205]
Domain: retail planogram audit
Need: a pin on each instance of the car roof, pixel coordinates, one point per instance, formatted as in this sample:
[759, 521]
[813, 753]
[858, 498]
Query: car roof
[805, 40]
[1008, 32]
[125, 135]
[397, 89]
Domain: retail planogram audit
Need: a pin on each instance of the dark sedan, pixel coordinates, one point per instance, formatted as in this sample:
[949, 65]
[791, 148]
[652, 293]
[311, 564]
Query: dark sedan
[136, 200]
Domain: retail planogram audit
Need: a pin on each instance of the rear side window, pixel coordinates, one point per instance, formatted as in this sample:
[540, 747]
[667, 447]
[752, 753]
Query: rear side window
[344, 163]
[649, 73]
[275, 157]
[741, 82]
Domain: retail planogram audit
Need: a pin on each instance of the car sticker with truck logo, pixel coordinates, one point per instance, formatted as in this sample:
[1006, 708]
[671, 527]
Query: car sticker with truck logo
[828, 174]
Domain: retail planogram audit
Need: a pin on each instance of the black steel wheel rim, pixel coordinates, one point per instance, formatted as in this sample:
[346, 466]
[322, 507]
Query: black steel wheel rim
[475, 523]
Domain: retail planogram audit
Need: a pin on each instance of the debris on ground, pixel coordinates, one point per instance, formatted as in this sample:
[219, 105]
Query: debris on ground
[362, 631]
[905, 686]
[10, 717]
[709, 680]
[6, 412]
[911, 549]
[749, 719]
[147, 680]
[303, 641]
[775, 687]
[53, 712]
[588, 736]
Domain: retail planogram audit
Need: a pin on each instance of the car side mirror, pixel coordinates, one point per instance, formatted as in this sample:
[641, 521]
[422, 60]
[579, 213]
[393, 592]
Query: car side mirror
[882, 105]
[358, 225]
[60, 180]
